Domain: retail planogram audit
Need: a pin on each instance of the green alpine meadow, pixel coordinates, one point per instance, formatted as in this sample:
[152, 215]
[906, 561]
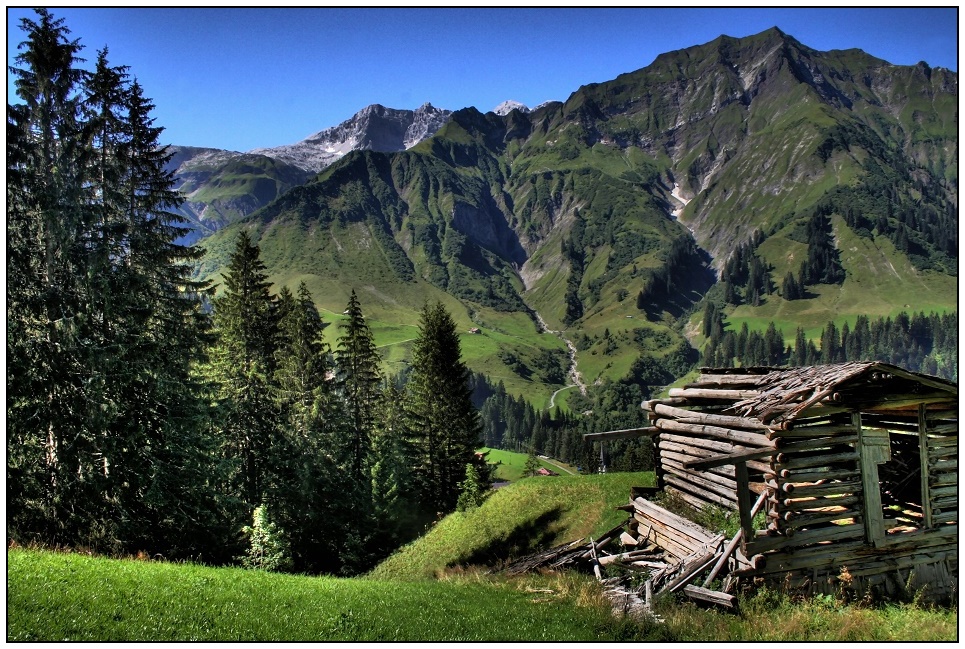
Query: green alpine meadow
[332, 390]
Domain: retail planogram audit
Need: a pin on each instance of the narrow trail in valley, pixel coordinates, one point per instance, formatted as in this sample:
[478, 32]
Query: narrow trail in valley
[573, 373]
[553, 396]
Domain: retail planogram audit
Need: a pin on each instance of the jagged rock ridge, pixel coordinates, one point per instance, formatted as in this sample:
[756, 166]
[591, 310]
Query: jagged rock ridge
[374, 128]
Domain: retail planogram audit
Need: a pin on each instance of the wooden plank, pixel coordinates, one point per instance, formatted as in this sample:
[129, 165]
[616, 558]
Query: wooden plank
[655, 512]
[798, 521]
[708, 393]
[708, 496]
[717, 484]
[825, 490]
[938, 442]
[742, 437]
[791, 463]
[730, 458]
[812, 475]
[677, 545]
[938, 492]
[711, 596]
[653, 403]
[762, 544]
[805, 432]
[936, 453]
[744, 499]
[747, 380]
[869, 457]
[945, 517]
[942, 479]
[698, 500]
[678, 459]
[690, 572]
[694, 417]
[627, 433]
[790, 445]
[791, 504]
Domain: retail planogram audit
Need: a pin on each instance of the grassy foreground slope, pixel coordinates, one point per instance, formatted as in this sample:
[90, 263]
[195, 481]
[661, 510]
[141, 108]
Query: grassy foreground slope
[423, 592]
[56, 597]
[529, 515]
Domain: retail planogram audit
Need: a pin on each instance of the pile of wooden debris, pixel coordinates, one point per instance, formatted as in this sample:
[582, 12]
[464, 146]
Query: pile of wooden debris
[658, 552]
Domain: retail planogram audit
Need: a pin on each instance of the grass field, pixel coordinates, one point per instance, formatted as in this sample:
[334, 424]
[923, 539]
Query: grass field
[71, 597]
[434, 589]
[510, 464]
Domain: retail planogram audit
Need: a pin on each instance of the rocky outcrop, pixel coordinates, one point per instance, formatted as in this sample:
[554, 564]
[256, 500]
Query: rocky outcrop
[374, 128]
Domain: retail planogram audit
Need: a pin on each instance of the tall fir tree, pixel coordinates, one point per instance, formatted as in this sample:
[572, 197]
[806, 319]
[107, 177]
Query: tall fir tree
[308, 492]
[100, 351]
[44, 364]
[359, 384]
[243, 364]
[443, 420]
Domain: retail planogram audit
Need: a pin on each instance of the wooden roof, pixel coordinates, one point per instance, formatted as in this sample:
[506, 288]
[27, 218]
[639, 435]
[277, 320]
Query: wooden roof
[773, 395]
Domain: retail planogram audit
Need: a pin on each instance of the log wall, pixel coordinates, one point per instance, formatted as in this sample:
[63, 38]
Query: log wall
[866, 499]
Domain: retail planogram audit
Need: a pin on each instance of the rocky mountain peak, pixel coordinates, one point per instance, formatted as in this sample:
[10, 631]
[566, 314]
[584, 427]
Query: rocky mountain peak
[510, 105]
[374, 128]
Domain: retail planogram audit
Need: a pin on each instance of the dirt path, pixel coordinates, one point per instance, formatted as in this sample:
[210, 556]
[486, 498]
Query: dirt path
[558, 466]
[553, 396]
[573, 373]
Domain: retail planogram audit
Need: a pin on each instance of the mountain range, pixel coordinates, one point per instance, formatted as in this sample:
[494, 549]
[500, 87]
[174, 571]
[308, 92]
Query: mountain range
[612, 216]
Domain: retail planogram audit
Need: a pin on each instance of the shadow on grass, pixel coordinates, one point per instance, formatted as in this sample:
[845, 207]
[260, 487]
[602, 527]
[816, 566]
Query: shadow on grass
[526, 538]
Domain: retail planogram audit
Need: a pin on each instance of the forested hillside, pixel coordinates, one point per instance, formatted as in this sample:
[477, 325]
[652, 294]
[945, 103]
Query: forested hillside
[147, 414]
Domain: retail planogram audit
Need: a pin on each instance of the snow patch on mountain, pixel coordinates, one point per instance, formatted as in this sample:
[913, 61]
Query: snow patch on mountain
[510, 105]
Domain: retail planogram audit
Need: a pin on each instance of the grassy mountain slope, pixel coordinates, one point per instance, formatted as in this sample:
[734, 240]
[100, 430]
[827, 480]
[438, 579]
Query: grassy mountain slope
[569, 212]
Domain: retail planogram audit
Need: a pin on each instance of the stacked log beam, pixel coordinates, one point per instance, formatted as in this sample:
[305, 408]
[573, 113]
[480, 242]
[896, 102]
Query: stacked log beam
[686, 436]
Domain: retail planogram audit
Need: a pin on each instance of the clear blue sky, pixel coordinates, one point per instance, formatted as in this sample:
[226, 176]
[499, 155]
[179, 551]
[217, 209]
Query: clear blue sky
[244, 78]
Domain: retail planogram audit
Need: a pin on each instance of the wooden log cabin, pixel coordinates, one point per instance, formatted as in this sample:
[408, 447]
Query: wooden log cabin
[855, 464]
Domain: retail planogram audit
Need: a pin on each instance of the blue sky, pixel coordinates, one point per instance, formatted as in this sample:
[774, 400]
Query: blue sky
[244, 78]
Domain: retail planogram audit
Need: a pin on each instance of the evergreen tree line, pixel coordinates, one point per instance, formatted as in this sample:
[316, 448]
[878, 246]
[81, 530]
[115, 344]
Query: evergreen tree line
[138, 421]
[511, 423]
[916, 342]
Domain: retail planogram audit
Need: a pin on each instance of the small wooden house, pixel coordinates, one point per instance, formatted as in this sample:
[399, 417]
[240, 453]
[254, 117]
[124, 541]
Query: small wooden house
[843, 475]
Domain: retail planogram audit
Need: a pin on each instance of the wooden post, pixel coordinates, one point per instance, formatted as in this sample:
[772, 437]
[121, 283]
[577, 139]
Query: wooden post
[870, 453]
[744, 499]
[923, 456]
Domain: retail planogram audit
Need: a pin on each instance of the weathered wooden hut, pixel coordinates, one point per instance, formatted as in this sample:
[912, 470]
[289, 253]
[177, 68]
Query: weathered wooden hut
[844, 476]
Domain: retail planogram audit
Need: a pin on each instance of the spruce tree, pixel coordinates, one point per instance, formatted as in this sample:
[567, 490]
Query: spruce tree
[243, 363]
[443, 420]
[44, 364]
[104, 316]
[308, 490]
[358, 381]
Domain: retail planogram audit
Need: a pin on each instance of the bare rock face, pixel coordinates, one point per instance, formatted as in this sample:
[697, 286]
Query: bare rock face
[374, 128]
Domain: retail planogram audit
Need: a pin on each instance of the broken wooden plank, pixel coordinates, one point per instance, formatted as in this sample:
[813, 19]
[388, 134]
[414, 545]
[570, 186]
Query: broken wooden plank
[712, 596]
[690, 572]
